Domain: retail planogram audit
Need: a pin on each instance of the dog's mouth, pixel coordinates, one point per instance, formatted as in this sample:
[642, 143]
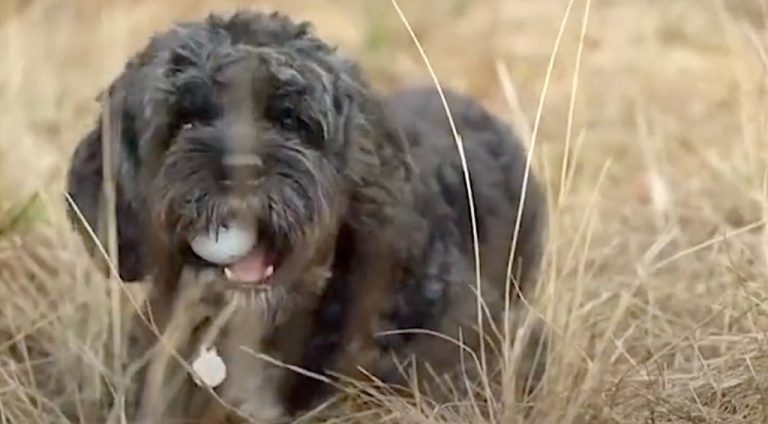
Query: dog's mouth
[246, 260]
[255, 268]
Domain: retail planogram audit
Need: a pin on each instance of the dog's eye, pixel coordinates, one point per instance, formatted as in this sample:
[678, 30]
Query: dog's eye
[286, 117]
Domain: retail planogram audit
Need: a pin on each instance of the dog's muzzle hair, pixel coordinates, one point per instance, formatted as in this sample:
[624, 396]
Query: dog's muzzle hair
[251, 158]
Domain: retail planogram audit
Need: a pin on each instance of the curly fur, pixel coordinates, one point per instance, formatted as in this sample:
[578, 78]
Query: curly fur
[362, 195]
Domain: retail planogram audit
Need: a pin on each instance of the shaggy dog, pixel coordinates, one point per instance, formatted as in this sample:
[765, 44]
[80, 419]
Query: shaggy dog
[363, 244]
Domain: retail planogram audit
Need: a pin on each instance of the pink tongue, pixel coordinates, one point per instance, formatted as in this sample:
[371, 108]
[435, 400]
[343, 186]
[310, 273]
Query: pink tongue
[252, 268]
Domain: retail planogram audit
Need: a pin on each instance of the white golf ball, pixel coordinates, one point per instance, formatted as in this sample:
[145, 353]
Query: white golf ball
[226, 245]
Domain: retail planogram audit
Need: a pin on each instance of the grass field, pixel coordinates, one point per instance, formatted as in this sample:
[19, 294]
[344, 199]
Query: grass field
[650, 129]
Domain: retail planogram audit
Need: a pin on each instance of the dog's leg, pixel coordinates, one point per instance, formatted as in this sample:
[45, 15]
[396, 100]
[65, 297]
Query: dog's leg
[373, 276]
[162, 380]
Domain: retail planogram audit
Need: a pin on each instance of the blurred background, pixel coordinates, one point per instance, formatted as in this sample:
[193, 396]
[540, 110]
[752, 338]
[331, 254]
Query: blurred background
[650, 121]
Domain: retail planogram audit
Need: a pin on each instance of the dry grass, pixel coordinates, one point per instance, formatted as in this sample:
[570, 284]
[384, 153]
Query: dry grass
[653, 146]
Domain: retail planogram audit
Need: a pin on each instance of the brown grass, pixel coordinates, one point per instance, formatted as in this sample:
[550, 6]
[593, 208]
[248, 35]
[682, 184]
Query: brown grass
[653, 146]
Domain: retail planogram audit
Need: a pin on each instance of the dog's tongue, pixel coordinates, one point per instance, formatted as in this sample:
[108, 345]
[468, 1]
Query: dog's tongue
[254, 268]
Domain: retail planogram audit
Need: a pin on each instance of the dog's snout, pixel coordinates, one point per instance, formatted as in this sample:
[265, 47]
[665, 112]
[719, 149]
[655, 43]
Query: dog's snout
[244, 168]
[242, 160]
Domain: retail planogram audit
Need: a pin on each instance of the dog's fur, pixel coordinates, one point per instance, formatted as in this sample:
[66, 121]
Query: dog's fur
[362, 196]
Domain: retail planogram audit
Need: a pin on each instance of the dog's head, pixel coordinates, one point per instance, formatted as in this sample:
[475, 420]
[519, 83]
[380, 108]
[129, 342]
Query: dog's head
[245, 121]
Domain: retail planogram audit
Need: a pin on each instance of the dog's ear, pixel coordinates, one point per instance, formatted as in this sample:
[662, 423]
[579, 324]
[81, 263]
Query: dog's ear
[379, 164]
[86, 207]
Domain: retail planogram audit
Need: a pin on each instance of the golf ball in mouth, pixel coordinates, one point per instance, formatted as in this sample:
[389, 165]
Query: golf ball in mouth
[225, 244]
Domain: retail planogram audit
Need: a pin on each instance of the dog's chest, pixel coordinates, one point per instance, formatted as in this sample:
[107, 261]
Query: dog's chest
[251, 383]
[242, 346]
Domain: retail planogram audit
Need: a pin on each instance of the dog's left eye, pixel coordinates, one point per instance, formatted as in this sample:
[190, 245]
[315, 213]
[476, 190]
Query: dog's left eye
[287, 118]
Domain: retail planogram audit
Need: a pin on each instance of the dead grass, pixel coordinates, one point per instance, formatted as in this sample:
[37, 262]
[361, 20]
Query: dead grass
[657, 171]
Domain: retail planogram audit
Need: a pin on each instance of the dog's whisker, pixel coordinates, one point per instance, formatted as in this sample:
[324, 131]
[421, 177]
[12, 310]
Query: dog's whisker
[267, 307]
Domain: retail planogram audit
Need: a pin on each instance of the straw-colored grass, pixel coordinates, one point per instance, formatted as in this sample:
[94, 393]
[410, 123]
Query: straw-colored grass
[650, 126]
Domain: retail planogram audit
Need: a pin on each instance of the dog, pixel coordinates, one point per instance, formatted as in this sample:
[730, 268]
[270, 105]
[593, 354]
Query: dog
[363, 245]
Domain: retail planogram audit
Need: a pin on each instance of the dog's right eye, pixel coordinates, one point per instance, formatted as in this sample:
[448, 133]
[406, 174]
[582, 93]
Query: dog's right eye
[195, 104]
[185, 125]
[186, 121]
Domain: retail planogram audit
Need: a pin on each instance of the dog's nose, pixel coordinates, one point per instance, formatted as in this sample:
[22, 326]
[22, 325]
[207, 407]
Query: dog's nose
[243, 168]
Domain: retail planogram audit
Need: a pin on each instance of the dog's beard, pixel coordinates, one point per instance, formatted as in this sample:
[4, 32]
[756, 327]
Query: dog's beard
[293, 207]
